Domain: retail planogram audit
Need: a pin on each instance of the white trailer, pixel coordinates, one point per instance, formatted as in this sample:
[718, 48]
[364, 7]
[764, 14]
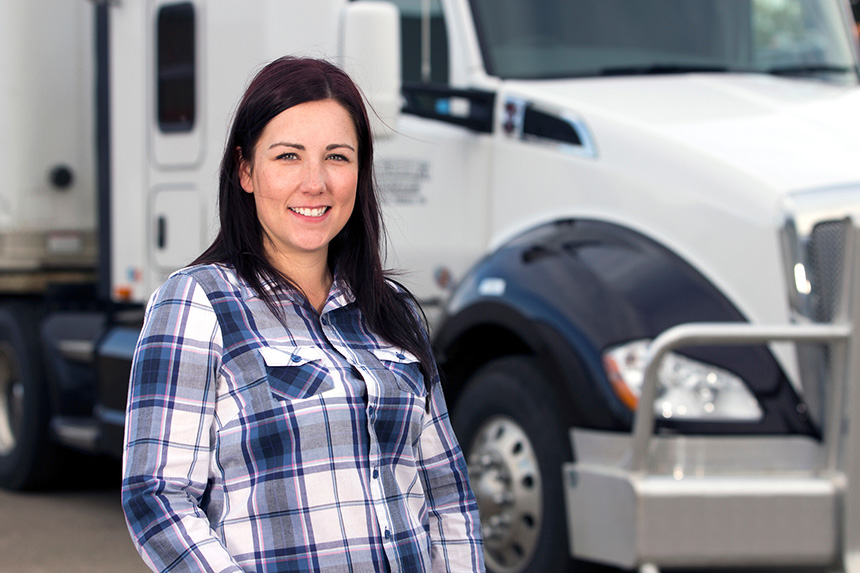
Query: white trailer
[633, 226]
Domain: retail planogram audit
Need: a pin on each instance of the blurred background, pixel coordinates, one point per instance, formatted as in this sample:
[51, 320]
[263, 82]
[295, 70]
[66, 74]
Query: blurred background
[563, 182]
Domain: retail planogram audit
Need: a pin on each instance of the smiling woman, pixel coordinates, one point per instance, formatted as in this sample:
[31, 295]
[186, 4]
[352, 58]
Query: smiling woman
[303, 175]
[284, 410]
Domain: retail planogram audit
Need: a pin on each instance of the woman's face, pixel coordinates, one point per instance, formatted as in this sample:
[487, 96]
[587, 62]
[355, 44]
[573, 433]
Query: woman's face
[303, 176]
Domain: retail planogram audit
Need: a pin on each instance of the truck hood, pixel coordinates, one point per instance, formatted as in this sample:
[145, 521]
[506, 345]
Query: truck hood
[789, 134]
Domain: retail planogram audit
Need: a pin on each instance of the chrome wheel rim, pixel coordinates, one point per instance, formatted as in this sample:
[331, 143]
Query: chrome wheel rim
[505, 477]
[11, 399]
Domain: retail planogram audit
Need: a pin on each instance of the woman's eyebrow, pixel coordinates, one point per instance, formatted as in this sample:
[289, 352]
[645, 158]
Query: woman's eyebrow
[287, 144]
[301, 147]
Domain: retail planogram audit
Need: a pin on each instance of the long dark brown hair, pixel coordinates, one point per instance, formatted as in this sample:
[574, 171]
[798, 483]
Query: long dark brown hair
[390, 312]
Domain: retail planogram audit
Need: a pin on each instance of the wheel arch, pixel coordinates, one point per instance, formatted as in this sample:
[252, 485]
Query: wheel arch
[567, 290]
[487, 331]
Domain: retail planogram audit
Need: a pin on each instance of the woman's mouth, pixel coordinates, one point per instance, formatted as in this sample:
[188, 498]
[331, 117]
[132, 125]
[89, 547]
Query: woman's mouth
[309, 211]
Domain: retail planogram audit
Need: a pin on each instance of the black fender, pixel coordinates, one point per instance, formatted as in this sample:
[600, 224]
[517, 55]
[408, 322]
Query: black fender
[568, 290]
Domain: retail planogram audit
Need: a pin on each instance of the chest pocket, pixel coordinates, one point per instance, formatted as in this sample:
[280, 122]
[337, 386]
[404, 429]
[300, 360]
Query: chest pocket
[405, 366]
[296, 372]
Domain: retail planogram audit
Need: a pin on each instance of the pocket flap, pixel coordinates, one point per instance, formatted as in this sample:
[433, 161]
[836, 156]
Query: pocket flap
[405, 367]
[290, 355]
[394, 354]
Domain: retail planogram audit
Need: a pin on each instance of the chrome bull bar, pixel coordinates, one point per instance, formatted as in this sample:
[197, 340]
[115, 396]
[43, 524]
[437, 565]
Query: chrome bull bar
[724, 334]
[781, 501]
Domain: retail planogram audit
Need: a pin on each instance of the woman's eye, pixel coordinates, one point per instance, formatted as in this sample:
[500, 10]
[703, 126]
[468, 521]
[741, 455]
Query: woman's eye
[288, 155]
[338, 157]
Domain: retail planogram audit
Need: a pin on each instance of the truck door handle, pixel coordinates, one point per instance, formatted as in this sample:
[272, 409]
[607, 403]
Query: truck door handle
[161, 233]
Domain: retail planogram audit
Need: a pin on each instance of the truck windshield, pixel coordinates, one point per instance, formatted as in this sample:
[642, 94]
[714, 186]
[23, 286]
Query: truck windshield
[535, 39]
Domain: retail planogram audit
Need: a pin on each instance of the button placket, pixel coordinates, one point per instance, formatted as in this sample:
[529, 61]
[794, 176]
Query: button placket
[372, 385]
[377, 486]
[380, 508]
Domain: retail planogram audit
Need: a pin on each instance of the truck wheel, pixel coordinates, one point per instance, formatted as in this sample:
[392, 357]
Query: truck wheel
[27, 456]
[515, 443]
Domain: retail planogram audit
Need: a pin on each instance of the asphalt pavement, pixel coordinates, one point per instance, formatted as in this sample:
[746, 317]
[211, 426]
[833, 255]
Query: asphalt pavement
[77, 530]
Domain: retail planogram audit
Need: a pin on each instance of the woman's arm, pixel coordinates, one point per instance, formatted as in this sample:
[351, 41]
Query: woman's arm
[455, 528]
[169, 432]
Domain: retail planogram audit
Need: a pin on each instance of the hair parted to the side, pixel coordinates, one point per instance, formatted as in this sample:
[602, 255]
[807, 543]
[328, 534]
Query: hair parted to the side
[356, 250]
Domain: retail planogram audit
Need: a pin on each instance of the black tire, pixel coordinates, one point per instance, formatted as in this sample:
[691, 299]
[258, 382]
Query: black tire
[28, 458]
[508, 424]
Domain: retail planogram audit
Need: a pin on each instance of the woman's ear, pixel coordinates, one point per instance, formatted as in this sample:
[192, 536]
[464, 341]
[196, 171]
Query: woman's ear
[244, 172]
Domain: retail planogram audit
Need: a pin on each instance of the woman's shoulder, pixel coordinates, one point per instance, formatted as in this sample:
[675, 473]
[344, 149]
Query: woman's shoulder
[209, 277]
[219, 272]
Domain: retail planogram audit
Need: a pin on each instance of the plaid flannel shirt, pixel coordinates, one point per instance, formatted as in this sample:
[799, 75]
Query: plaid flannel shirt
[254, 447]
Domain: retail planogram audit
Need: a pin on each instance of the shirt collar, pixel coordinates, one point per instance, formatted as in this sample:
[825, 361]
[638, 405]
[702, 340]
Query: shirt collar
[340, 294]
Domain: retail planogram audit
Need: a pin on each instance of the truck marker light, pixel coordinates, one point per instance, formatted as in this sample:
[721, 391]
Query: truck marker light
[492, 286]
[513, 116]
[619, 386]
[123, 293]
[800, 281]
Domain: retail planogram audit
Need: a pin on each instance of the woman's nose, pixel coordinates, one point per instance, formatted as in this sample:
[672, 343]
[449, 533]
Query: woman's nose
[314, 180]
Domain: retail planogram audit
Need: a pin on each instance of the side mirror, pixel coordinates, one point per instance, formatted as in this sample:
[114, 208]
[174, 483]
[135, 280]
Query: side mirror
[369, 51]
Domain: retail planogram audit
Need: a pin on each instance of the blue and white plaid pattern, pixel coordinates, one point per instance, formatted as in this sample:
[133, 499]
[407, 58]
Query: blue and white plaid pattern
[255, 447]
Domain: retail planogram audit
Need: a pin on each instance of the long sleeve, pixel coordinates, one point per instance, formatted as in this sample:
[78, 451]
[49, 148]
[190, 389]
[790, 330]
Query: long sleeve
[169, 432]
[455, 528]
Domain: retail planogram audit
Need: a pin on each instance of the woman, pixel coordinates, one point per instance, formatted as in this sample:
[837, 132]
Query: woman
[285, 412]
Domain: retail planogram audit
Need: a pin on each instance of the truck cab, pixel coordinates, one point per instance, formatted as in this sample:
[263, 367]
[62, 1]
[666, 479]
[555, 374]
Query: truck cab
[587, 176]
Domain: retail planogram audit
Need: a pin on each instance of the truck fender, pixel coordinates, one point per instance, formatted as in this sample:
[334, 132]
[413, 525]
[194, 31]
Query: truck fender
[567, 290]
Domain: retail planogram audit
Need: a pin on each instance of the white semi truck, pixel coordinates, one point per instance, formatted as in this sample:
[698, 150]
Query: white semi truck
[633, 225]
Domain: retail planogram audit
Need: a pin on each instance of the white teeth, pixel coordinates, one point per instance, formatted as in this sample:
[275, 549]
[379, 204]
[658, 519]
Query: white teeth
[309, 212]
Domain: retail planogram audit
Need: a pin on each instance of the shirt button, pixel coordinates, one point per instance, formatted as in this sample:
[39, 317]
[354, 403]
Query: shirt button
[296, 358]
[387, 534]
[375, 474]
[401, 356]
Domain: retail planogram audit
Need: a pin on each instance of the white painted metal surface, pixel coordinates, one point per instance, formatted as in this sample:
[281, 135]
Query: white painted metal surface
[46, 120]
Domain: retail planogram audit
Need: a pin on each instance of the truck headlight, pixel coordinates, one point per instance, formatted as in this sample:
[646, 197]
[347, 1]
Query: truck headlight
[686, 388]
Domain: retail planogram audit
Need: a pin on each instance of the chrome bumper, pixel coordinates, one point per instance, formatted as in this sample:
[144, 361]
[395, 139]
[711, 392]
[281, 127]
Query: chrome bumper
[692, 515]
[650, 501]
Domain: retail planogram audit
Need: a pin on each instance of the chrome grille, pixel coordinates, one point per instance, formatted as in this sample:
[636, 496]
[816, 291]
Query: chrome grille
[825, 252]
[820, 252]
